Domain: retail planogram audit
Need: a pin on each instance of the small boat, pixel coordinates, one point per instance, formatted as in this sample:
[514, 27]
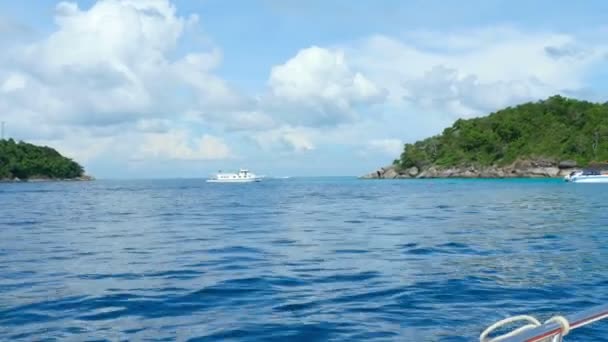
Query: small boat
[586, 176]
[243, 176]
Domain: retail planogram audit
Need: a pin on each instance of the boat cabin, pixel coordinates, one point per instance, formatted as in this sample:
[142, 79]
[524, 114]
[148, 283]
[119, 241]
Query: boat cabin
[591, 172]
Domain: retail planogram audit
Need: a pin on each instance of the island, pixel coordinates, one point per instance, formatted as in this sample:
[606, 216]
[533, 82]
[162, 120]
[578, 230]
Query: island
[20, 161]
[547, 138]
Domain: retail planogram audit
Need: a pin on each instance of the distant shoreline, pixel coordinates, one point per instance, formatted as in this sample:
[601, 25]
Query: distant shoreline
[520, 169]
[47, 180]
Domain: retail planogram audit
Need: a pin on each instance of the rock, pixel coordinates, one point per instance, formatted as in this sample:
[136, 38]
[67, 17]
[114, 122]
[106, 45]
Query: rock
[538, 172]
[523, 164]
[431, 172]
[41, 179]
[372, 175]
[422, 174]
[601, 166]
[413, 171]
[470, 174]
[544, 162]
[381, 173]
[567, 164]
[491, 172]
[391, 173]
[552, 171]
[564, 172]
[444, 173]
[524, 168]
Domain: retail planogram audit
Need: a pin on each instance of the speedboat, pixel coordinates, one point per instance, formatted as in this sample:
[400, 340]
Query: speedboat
[243, 176]
[586, 176]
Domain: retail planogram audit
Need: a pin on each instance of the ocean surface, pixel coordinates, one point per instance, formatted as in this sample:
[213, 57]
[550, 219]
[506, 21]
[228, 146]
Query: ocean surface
[302, 259]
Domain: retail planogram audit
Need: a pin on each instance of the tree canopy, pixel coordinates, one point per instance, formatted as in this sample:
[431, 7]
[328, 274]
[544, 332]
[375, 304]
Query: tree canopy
[24, 161]
[557, 128]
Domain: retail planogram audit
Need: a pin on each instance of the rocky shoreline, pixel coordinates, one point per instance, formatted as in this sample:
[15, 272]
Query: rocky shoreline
[521, 169]
[84, 178]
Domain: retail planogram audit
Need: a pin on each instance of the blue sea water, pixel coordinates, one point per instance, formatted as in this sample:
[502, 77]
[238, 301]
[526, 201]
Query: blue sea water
[331, 259]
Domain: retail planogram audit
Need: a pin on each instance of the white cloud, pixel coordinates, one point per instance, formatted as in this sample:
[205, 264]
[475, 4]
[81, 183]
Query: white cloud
[389, 147]
[444, 89]
[112, 64]
[473, 72]
[568, 50]
[153, 125]
[13, 82]
[177, 144]
[66, 9]
[119, 74]
[82, 147]
[234, 120]
[250, 121]
[110, 72]
[318, 87]
[296, 139]
[206, 90]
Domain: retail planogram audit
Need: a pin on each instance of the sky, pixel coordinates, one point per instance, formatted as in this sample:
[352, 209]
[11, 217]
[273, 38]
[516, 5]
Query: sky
[183, 88]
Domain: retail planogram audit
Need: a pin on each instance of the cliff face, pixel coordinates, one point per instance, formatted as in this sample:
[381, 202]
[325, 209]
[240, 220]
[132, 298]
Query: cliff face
[519, 169]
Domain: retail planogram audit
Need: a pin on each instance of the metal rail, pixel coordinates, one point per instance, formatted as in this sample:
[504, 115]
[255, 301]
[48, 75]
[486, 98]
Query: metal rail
[548, 331]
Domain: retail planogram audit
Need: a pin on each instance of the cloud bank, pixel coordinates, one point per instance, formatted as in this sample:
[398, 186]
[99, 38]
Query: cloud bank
[127, 73]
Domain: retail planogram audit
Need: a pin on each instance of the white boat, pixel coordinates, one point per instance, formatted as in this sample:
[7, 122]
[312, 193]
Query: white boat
[586, 176]
[243, 176]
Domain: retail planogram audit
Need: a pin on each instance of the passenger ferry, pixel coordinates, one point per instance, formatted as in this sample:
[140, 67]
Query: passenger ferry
[243, 176]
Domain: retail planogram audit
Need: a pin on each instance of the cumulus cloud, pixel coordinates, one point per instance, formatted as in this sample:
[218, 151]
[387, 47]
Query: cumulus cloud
[111, 64]
[118, 73]
[111, 71]
[205, 90]
[13, 82]
[317, 87]
[295, 139]
[82, 147]
[388, 147]
[153, 125]
[177, 144]
[566, 51]
[237, 120]
[250, 121]
[473, 72]
[445, 90]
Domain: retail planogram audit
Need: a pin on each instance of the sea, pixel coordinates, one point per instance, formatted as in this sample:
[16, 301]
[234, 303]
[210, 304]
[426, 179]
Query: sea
[299, 259]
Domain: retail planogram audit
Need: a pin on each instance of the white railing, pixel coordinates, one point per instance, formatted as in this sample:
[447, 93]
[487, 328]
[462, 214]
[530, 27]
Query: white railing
[553, 330]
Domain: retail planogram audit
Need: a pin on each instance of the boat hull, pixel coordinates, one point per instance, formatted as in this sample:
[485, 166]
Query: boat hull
[589, 179]
[243, 176]
[232, 180]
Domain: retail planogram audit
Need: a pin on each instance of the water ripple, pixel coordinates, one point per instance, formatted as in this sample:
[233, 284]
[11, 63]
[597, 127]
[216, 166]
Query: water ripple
[301, 260]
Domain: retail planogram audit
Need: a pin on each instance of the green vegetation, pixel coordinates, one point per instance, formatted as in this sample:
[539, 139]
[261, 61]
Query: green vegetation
[557, 128]
[25, 161]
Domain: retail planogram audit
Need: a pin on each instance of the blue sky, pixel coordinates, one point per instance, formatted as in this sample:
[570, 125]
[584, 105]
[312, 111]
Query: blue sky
[160, 88]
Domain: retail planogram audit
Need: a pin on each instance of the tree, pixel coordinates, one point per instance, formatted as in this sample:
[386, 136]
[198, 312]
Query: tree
[558, 128]
[23, 160]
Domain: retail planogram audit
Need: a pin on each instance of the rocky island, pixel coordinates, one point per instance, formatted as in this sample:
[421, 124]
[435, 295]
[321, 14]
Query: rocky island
[548, 138]
[20, 161]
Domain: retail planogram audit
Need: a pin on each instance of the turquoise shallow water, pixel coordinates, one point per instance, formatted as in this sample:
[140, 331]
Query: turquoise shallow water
[299, 259]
